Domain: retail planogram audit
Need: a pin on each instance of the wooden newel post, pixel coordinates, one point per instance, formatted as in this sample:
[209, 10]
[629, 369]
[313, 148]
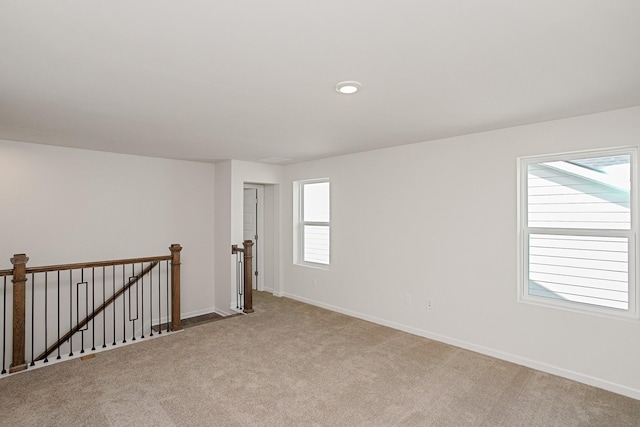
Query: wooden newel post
[248, 276]
[19, 262]
[175, 286]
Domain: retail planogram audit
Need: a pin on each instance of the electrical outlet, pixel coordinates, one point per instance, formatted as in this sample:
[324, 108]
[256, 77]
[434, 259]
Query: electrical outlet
[407, 299]
[429, 304]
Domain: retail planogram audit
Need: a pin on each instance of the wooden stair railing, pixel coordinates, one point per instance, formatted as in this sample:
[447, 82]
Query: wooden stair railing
[19, 275]
[98, 310]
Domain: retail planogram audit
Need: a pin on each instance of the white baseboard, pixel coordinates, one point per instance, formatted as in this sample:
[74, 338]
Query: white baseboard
[509, 357]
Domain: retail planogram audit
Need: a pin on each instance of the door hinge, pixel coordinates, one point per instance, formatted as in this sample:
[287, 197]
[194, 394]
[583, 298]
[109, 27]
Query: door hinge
[256, 273]
[256, 236]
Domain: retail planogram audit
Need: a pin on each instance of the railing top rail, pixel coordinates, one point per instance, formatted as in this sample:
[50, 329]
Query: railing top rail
[92, 264]
[6, 273]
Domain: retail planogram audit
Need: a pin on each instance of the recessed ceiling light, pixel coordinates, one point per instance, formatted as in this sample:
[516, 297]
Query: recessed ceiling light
[348, 88]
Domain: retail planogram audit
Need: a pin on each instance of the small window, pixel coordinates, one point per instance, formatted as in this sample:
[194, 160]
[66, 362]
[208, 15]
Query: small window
[578, 227]
[314, 222]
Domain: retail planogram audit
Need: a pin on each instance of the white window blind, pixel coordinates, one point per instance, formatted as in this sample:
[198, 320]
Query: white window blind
[578, 233]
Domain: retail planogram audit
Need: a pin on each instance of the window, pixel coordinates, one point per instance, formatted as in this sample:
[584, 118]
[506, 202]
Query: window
[314, 223]
[578, 225]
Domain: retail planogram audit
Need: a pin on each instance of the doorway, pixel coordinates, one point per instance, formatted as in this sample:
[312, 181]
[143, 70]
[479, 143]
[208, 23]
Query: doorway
[253, 229]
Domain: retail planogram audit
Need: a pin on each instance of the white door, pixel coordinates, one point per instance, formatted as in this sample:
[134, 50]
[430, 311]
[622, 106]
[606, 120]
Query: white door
[250, 229]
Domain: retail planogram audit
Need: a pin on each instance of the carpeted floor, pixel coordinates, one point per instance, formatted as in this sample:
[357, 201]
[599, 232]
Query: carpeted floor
[291, 364]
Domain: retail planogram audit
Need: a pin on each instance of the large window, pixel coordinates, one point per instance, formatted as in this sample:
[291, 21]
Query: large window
[578, 225]
[314, 222]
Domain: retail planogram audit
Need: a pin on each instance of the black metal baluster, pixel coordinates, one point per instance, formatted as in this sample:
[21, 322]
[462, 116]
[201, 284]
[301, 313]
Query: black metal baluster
[150, 302]
[113, 280]
[239, 283]
[93, 309]
[59, 343]
[70, 311]
[168, 322]
[33, 311]
[159, 297]
[133, 320]
[46, 312]
[142, 298]
[104, 311]
[124, 310]
[78, 310]
[4, 326]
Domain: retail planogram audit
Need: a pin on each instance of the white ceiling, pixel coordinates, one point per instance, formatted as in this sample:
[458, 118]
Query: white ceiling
[249, 79]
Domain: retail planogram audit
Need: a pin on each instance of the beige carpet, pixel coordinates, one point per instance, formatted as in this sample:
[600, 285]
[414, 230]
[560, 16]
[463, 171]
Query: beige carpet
[291, 364]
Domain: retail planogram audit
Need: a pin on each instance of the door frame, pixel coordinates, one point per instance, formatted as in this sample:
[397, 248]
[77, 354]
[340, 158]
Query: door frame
[258, 257]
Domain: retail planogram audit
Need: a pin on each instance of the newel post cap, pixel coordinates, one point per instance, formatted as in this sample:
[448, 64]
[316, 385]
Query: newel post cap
[19, 259]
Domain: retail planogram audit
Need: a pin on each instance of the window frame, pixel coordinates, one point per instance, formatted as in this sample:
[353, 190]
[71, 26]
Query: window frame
[525, 231]
[300, 223]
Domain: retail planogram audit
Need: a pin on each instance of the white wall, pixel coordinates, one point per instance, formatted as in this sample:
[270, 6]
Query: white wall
[223, 261]
[63, 205]
[271, 243]
[437, 221]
